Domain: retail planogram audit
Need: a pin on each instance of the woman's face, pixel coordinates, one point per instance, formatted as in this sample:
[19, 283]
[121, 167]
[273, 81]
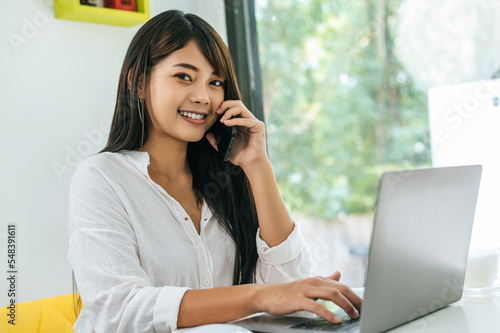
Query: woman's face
[184, 93]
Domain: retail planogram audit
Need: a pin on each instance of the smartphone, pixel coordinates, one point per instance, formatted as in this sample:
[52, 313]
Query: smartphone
[225, 136]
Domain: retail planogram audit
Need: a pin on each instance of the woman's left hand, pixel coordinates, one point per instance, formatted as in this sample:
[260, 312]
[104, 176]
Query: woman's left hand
[250, 145]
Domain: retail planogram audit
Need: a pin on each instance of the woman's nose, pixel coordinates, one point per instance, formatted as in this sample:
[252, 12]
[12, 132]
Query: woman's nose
[199, 95]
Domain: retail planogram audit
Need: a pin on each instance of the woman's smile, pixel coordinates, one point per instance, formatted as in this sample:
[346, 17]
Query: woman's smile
[193, 117]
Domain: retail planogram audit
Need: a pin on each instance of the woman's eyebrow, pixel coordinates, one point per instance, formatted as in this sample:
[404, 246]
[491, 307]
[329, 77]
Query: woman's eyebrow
[191, 67]
[188, 66]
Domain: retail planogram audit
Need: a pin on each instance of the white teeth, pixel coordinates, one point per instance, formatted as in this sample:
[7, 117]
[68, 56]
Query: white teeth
[192, 115]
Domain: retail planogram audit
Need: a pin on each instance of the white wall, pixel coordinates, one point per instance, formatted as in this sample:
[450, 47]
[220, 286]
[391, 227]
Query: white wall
[58, 84]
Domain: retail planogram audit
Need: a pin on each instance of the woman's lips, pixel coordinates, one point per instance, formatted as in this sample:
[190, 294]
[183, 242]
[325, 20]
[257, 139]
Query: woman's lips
[195, 118]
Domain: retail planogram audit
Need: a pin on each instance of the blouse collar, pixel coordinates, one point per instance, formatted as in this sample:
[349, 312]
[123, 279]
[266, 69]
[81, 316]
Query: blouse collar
[140, 159]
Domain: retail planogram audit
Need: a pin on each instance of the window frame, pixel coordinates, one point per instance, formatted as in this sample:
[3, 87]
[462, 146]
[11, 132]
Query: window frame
[243, 45]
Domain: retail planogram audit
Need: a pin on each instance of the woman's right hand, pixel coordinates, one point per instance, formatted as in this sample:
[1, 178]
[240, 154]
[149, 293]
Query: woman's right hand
[301, 295]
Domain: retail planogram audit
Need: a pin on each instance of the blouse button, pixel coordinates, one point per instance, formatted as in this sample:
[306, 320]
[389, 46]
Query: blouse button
[199, 246]
[186, 218]
[207, 282]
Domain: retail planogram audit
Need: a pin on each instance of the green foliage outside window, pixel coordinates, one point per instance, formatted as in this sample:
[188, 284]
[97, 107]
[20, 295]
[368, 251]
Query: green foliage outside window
[340, 109]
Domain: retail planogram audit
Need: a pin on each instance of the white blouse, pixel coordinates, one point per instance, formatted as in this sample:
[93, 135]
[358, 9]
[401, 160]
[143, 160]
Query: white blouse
[135, 251]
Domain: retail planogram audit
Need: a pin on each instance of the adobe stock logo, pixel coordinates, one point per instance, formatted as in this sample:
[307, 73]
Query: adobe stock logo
[94, 138]
[451, 292]
[29, 30]
[28, 27]
[468, 106]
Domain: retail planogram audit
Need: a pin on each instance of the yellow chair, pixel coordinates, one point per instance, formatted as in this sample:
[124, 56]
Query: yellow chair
[48, 315]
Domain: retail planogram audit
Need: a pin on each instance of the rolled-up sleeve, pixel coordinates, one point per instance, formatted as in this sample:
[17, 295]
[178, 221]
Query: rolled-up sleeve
[288, 261]
[116, 292]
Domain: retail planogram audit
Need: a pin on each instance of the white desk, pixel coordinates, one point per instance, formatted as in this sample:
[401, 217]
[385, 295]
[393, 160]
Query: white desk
[472, 314]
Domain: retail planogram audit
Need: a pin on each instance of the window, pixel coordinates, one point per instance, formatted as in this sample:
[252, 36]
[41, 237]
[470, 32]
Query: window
[340, 109]
[344, 88]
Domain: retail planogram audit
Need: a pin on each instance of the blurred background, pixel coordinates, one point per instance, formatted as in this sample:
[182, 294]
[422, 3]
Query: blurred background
[343, 87]
[345, 91]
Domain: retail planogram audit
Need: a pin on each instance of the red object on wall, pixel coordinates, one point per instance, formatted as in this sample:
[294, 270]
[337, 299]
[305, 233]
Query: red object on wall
[120, 4]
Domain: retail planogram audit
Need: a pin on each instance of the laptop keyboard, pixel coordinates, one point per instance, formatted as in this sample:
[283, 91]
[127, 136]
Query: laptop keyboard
[320, 324]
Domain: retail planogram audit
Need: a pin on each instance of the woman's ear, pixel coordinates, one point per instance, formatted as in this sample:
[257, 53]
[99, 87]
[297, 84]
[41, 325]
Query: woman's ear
[140, 84]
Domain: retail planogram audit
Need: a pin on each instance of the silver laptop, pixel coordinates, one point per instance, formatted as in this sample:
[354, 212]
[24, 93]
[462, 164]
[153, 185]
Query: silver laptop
[418, 252]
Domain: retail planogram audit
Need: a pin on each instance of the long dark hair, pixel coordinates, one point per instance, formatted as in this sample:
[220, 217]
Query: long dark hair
[224, 186]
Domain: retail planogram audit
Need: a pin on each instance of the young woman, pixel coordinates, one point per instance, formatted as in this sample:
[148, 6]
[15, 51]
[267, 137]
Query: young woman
[163, 233]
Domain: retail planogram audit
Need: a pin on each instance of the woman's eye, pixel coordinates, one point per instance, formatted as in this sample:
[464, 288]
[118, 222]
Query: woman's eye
[183, 77]
[217, 83]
